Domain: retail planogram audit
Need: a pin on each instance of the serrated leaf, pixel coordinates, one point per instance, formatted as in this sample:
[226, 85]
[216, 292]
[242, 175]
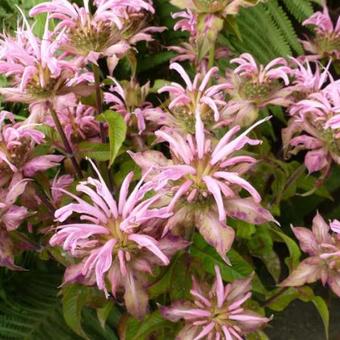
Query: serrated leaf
[117, 132]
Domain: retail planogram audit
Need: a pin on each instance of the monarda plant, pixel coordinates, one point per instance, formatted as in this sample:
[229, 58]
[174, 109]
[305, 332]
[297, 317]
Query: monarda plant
[158, 160]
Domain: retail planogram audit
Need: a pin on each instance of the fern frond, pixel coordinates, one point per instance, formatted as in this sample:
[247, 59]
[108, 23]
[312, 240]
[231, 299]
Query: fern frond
[299, 9]
[274, 35]
[285, 25]
[33, 311]
[30, 309]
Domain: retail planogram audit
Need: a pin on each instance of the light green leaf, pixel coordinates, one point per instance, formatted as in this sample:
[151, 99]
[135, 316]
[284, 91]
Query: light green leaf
[322, 308]
[293, 260]
[99, 152]
[117, 132]
[104, 312]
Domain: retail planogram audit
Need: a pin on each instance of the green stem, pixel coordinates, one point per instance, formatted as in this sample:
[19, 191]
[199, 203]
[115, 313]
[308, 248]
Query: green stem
[99, 99]
[67, 146]
[212, 56]
[275, 296]
[99, 109]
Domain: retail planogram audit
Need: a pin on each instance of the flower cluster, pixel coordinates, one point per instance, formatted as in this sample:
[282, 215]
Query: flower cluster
[135, 178]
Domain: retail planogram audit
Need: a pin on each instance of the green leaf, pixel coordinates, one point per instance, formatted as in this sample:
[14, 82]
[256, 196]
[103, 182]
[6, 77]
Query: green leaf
[140, 330]
[117, 132]
[159, 83]
[99, 152]
[73, 302]
[258, 335]
[239, 268]
[173, 280]
[155, 60]
[104, 312]
[322, 308]
[272, 263]
[293, 248]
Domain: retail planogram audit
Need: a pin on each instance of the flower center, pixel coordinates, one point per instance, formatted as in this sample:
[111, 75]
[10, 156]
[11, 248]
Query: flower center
[85, 39]
[257, 92]
[328, 44]
[121, 237]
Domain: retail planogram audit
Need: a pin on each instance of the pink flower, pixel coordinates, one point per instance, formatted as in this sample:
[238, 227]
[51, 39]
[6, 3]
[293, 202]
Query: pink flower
[129, 99]
[110, 31]
[204, 181]
[187, 22]
[314, 127]
[11, 216]
[202, 29]
[17, 143]
[78, 120]
[198, 96]
[37, 69]
[218, 313]
[116, 241]
[254, 87]
[63, 182]
[323, 249]
[308, 80]
[327, 36]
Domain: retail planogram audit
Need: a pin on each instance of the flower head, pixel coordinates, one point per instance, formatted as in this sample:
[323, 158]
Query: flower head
[326, 42]
[256, 86]
[309, 77]
[204, 181]
[315, 127]
[129, 99]
[323, 248]
[37, 70]
[218, 313]
[197, 97]
[17, 144]
[116, 241]
[78, 120]
[109, 31]
[11, 216]
[202, 35]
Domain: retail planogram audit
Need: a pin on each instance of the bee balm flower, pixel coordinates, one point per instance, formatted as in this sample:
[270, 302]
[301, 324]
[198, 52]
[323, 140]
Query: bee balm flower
[326, 42]
[11, 216]
[17, 143]
[109, 31]
[216, 314]
[204, 181]
[39, 74]
[114, 240]
[254, 87]
[323, 249]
